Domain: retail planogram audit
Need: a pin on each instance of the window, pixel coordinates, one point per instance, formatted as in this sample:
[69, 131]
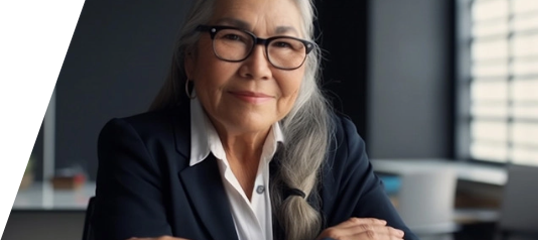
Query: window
[497, 69]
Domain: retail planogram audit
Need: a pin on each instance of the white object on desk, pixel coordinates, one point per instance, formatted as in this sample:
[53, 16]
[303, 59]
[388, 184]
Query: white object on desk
[426, 200]
[41, 196]
[474, 172]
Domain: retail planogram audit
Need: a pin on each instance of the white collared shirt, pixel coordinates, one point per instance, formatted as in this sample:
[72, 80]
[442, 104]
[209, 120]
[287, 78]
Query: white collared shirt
[252, 219]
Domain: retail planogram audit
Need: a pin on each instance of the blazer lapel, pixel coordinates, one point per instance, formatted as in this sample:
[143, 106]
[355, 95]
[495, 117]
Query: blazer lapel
[206, 192]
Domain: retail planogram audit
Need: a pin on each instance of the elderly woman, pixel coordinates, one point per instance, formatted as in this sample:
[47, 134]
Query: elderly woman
[240, 143]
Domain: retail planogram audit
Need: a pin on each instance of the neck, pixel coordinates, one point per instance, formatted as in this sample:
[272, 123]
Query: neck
[243, 147]
[243, 152]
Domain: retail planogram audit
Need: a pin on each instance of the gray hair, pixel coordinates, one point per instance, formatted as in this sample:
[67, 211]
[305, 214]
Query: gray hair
[306, 128]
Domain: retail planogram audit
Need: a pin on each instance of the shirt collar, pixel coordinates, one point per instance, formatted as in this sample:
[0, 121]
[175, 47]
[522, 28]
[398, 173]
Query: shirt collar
[205, 140]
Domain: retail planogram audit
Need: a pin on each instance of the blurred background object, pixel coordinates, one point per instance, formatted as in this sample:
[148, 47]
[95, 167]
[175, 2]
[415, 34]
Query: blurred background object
[520, 202]
[69, 178]
[426, 201]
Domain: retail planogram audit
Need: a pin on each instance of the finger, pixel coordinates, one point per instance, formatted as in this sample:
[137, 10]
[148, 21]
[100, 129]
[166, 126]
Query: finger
[158, 238]
[395, 232]
[363, 231]
[168, 238]
[340, 232]
[369, 234]
[360, 221]
[378, 230]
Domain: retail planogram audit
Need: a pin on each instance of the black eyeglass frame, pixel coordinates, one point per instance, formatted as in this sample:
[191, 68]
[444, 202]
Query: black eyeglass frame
[213, 30]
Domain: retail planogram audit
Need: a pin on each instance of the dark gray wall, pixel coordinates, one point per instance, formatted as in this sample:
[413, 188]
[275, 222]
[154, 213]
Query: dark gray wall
[115, 65]
[408, 104]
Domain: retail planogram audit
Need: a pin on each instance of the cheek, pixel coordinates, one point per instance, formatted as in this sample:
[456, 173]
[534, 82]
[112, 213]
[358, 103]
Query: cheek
[208, 67]
[290, 82]
[290, 90]
[212, 74]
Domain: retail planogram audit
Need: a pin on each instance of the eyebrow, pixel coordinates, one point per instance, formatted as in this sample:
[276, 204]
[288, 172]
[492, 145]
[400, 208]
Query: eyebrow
[285, 29]
[234, 22]
[244, 25]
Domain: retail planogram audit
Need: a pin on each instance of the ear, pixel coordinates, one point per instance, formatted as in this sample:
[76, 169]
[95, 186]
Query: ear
[189, 63]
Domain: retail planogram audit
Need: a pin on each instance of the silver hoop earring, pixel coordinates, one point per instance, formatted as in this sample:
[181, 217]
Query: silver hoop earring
[187, 90]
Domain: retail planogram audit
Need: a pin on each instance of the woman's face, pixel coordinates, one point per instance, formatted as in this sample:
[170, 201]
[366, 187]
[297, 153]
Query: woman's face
[251, 95]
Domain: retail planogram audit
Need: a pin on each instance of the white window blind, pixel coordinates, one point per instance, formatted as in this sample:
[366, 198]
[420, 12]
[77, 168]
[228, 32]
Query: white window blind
[503, 78]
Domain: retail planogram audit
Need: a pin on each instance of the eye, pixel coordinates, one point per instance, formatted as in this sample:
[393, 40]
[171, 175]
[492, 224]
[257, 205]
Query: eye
[231, 36]
[282, 44]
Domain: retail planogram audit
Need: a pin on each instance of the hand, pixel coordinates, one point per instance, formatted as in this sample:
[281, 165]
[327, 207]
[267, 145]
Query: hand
[362, 229]
[158, 238]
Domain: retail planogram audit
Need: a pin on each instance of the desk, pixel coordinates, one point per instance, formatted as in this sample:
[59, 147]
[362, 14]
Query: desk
[40, 212]
[41, 196]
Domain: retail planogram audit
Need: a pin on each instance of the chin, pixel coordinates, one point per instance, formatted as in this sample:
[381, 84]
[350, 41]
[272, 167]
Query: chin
[251, 123]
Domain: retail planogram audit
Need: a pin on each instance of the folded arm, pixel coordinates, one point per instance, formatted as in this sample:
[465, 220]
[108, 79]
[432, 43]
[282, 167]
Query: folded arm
[129, 199]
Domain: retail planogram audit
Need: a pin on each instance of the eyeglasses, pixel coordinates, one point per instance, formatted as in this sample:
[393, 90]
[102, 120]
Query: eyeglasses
[235, 45]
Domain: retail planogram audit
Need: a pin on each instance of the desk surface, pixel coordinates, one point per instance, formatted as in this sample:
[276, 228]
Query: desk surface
[41, 196]
[474, 172]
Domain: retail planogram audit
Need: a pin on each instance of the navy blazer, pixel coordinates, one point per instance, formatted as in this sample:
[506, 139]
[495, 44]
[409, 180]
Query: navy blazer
[146, 188]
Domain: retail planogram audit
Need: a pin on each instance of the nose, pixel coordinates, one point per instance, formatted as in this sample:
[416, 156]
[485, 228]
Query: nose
[256, 66]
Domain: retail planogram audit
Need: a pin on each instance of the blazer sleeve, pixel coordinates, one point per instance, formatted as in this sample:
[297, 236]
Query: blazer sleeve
[129, 199]
[363, 190]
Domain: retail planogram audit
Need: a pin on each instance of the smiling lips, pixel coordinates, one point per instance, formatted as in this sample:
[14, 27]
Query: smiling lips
[251, 97]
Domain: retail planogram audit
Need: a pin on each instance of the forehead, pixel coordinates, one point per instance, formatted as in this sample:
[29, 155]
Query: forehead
[259, 16]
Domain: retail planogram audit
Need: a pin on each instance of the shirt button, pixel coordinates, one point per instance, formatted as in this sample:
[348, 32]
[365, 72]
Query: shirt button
[260, 189]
